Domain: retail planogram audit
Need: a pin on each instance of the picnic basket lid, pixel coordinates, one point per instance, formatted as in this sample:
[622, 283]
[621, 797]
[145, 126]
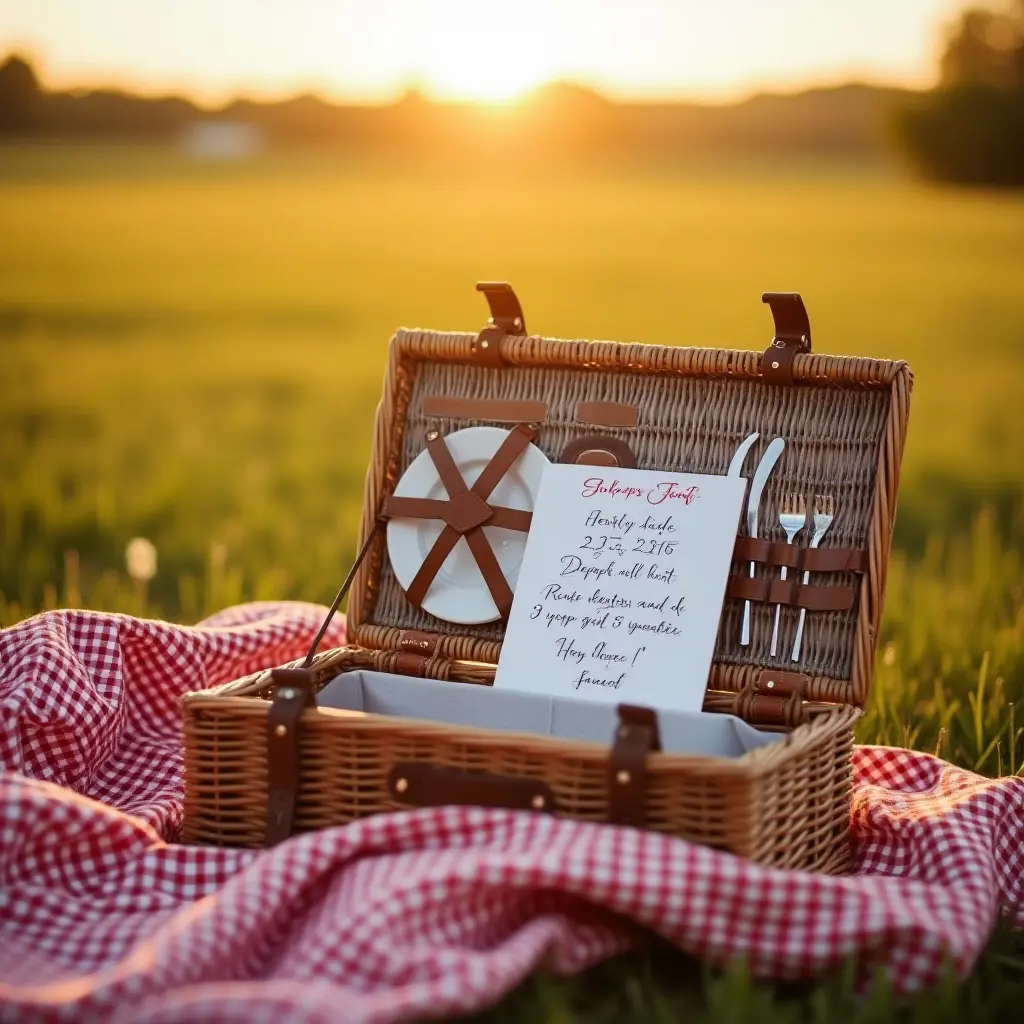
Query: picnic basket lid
[675, 409]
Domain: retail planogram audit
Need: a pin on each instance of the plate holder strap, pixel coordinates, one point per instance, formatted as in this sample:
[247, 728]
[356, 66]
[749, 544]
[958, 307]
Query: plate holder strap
[637, 735]
[465, 513]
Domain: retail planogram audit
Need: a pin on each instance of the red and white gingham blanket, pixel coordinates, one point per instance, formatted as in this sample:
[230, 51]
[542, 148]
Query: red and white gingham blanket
[429, 912]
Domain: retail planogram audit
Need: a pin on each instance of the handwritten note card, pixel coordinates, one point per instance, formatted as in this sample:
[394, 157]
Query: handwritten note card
[621, 586]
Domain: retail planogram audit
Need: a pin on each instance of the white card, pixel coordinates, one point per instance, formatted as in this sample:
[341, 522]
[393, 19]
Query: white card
[621, 586]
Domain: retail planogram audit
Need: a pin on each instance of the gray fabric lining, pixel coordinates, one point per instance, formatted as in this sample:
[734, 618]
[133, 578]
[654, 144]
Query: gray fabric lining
[484, 707]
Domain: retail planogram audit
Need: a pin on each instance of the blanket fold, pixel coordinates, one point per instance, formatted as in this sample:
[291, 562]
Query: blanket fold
[428, 912]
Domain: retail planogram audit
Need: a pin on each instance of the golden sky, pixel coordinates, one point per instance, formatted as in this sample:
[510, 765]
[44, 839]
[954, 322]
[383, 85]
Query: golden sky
[370, 50]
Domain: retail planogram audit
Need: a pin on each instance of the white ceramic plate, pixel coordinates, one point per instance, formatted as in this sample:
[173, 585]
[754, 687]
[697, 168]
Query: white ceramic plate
[458, 593]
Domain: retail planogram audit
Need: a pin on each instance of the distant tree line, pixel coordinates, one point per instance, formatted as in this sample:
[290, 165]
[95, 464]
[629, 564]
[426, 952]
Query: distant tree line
[559, 120]
[971, 129]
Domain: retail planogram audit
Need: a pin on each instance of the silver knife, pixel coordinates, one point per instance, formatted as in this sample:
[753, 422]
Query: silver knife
[761, 474]
[741, 454]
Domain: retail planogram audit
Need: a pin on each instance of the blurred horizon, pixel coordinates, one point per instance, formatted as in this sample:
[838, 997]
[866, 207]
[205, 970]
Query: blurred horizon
[472, 50]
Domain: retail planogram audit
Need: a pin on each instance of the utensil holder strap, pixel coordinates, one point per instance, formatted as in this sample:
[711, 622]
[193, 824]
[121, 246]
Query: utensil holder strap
[792, 593]
[779, 553]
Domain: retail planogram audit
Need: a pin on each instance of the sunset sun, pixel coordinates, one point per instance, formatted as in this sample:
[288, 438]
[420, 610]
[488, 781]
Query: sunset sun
[481, 53]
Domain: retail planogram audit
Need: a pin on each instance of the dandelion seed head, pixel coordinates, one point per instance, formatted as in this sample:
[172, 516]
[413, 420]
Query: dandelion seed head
[140, 558]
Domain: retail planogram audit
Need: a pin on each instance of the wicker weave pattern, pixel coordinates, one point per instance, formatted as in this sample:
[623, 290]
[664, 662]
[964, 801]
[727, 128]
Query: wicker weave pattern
[753, 806]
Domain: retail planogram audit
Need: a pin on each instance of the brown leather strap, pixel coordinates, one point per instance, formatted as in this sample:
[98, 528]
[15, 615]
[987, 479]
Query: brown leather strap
[597, 450]
[487, 563]
[506, 310]
[293, 693]
[407, 663]
[493, 410]
[506, 318]
[781, 684]
[441, 456]
[515, 443]
[768, 710]
[418, 642]
[792, 593]
[777, 553]
[792, 336]
[833, 560]
[436, 508]
[432, 785]
[607, 414]
[442, 548]
[637, 734]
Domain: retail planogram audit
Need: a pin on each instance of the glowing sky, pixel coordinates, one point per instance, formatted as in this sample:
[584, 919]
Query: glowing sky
[474, 49]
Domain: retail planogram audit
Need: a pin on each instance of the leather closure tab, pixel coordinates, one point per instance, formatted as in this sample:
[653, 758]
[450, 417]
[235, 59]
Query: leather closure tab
[597, 450]
[792, 336]
[792, 324]
[506, 310]
[433, 785]
[506, 318]
[781, 684]
[637, 734]
[293, 693]
[414, 641]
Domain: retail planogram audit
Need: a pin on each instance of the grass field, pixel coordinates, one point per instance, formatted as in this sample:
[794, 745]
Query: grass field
[194, 354]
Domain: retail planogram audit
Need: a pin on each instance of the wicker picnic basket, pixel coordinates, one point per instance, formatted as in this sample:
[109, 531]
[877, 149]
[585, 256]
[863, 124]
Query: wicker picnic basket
[262, 761]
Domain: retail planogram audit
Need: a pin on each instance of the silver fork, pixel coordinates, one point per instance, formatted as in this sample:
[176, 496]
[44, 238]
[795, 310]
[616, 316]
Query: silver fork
[824, 515]
[792, 519]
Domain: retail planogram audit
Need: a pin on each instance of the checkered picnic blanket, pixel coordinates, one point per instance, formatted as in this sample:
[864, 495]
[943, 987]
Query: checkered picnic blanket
[429, 912]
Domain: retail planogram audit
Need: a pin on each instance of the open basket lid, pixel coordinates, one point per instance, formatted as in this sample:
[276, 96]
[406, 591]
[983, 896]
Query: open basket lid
[673, 409]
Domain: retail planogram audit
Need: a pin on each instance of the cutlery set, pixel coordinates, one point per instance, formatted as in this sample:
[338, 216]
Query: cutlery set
[792, 520]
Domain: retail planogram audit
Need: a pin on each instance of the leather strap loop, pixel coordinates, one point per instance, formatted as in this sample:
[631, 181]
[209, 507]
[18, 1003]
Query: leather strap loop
[781, 684]
[792, 593]
[777, 364]
[637, 734]
[778, 553]
[293, 693]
